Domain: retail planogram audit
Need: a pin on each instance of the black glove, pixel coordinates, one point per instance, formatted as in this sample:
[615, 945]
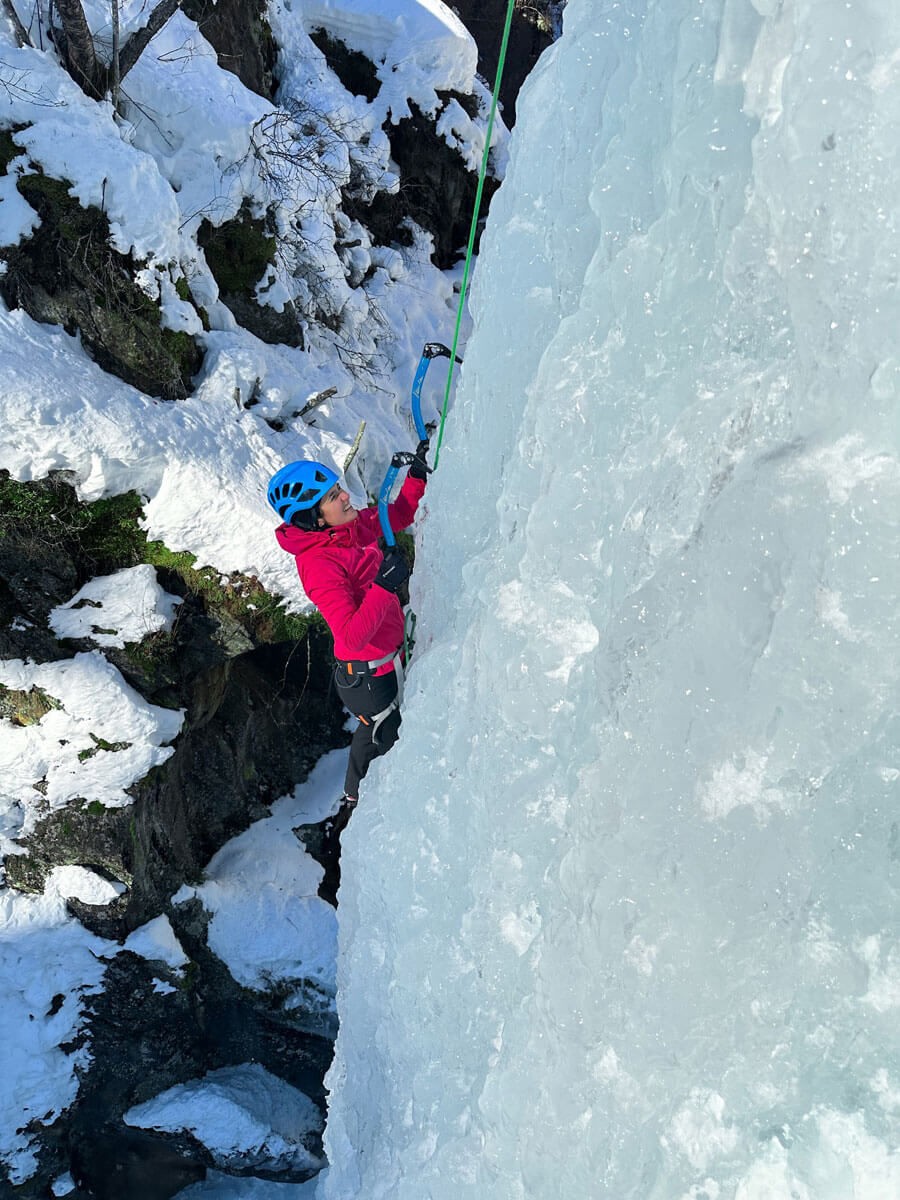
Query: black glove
[393, 572]
[419, 468]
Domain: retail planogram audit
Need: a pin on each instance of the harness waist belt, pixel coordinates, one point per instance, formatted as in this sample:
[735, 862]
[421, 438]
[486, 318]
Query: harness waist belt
[359, 667]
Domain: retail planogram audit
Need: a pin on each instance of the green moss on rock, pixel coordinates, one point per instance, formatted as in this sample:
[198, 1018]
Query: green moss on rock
[104, 536]
[238, 252]
[8, 148]
[25, 708]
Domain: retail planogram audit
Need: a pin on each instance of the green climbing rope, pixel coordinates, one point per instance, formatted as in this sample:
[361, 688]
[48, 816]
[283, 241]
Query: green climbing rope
[481, 178]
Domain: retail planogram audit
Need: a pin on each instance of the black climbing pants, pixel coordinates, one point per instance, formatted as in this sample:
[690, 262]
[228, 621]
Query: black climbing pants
[365, 696]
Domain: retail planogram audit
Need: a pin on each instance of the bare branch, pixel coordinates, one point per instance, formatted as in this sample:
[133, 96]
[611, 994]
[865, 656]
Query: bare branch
[137, 43]
[12, 81]
[22, 38]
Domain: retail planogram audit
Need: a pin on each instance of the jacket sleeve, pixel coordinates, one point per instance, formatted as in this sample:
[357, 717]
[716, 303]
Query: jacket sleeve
[332, 595]
[400, 513]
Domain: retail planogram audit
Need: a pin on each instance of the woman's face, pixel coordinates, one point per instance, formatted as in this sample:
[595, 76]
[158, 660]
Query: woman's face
[336, 509]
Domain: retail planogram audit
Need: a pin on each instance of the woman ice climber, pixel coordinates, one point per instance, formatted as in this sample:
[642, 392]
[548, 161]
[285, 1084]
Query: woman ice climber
[354, 586]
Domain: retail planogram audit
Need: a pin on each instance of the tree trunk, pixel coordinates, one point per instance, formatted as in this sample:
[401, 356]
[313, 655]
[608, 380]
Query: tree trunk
[134, 47]
[83, 64]
[22, 38]
[114, 65]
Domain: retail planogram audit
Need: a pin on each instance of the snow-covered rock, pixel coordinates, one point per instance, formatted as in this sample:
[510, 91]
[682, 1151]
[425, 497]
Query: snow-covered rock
[244, 1116]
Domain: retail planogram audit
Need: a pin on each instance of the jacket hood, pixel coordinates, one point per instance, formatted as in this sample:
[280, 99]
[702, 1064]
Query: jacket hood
[299, 541]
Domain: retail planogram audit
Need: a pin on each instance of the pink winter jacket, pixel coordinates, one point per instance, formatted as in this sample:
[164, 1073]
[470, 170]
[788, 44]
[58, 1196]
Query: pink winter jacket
[337, 568]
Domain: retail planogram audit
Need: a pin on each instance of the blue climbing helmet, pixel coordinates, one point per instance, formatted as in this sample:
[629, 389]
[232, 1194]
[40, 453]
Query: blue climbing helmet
[295, 491]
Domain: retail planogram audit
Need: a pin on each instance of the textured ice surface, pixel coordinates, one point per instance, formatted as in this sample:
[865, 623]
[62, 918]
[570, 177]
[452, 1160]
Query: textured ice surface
[618, 915]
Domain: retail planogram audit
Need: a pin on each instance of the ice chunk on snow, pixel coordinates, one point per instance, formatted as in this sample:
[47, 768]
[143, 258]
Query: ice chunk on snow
[114, 609]
[244, 1115]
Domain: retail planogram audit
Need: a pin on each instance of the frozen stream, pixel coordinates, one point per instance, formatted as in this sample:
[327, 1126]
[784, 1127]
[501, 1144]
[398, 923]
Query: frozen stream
[619, 915]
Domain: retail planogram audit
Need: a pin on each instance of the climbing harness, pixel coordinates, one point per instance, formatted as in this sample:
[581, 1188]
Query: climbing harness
[358, 670]
[484, 162]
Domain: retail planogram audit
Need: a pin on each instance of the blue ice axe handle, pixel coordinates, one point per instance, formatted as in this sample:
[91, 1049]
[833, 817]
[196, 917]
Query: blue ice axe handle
[430, 350]
[402, 458]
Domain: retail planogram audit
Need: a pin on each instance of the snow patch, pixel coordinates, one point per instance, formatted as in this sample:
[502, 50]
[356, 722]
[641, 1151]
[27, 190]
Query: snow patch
[243, 1115]
[157, 942]
[81, 883]
[114, 609]
[269, 925]
[101, 739]
[48, 964]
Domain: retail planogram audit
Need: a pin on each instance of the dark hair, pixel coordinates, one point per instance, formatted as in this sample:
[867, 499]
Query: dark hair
[306, 519]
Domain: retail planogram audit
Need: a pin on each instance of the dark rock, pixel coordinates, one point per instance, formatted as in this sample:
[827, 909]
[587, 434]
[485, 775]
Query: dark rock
[37, 574]
[68, 274]
[530, 34]
[356, 72]
[135, 1164]
[143, 1042]
[437, 191]
[239, 33]
[239, 252]
[255, 727]
[265, 322]
[323, 842]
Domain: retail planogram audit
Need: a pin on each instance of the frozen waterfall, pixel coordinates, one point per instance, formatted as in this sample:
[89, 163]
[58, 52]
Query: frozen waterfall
[619, 913]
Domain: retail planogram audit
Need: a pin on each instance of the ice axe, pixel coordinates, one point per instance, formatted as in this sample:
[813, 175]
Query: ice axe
[403, 458]
[430, 350]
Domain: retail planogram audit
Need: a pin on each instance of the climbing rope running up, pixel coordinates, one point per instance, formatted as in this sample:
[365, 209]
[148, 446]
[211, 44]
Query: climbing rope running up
[481, 178]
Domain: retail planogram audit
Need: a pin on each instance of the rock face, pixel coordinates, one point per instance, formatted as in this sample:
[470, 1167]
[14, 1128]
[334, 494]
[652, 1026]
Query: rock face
[439, 193]
[258, 716]
[68, 274]
[152, 1041]
[240, 35]
[531, 32]
[238, 253]
[255, 725]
